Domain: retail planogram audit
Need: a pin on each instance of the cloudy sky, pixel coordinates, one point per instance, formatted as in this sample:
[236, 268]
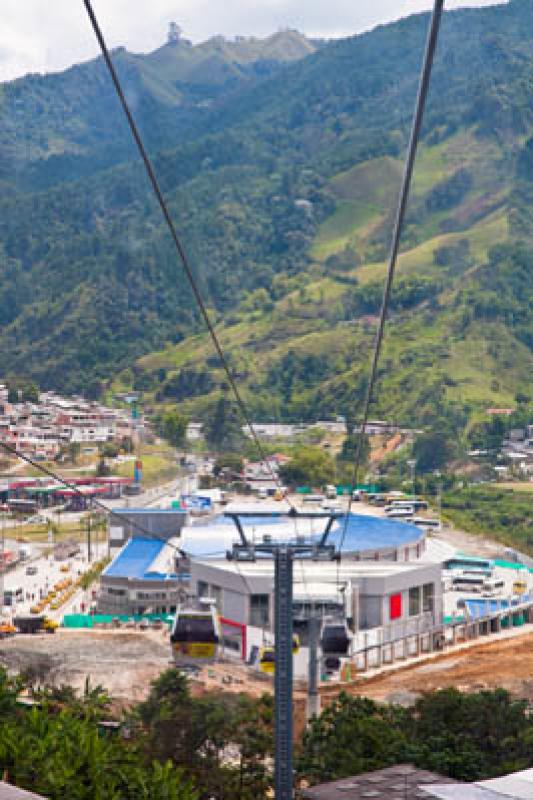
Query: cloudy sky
[47, 35]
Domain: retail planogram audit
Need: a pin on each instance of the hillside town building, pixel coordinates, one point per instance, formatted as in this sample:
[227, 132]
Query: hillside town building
[40, 430]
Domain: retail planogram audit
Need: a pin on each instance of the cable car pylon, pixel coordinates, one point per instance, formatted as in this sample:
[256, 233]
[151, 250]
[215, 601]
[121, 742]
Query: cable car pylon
[283, 552]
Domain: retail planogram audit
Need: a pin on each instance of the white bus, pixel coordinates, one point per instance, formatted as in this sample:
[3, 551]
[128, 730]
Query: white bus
[468, 583]
[313, 498]
[399, 512]
[422, 522]
[493, 588]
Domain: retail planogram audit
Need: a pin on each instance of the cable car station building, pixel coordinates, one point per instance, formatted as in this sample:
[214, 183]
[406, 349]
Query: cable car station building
[399, 598]
[381, 587]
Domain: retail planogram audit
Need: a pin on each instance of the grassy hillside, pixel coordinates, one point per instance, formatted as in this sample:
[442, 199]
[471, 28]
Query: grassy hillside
[283, 187]
[305, 353]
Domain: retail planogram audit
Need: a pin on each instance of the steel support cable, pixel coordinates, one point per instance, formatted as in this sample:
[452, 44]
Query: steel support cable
[425, 77]
[177, 242]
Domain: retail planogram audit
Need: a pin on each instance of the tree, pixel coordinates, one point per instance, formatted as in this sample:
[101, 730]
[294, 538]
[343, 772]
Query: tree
[433, 450]
[12, 395]
[488, 435]
[194, 732]
[352, 735]
[229, 463]
[308, 466]
[30, 393]
[348, 454]
[57, 750]
[73, 451]
[223, 427]
[173, 428]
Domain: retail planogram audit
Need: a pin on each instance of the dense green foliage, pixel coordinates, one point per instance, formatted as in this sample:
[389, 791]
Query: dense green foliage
[57, 750]
[193, 734]
[465, 736]
[309, 466]
[173, 743]
[174, 746]
[504, 514]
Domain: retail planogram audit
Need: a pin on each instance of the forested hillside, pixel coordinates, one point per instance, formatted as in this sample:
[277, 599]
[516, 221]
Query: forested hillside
[283, 186]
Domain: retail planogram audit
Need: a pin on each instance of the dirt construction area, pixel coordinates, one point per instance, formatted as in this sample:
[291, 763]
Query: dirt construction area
[506, 663]
[123, 662]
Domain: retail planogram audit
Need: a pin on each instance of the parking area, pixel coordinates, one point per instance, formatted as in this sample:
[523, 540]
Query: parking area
[34, 578]
[503, 581]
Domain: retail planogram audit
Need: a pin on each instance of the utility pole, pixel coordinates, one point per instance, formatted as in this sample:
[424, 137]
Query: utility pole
[412, 464]
[313, 697]
[439, 495]
[284, 552]
[89, 538]
[2, 562]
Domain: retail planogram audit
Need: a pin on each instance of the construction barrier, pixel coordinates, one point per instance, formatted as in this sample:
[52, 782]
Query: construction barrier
[90, 620]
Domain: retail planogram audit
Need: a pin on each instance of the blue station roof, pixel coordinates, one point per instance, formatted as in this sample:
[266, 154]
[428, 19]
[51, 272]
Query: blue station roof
[135, 560]
[362, 533]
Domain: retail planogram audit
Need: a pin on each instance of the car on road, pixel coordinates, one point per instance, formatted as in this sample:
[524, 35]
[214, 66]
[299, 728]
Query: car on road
[31, 570]
[36, 519]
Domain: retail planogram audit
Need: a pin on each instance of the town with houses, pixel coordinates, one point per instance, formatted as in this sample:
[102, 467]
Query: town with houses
[41, 429]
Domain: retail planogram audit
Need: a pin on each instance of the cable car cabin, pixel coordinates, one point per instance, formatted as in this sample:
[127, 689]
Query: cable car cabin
[332, 664]
[267, 660]
[267, 656]
[195, 637]
[335, 639]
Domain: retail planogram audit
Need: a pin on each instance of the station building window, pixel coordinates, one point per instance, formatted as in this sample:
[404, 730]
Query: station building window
[428, 597]
[216, 593]
[414, 601]
[259, 610]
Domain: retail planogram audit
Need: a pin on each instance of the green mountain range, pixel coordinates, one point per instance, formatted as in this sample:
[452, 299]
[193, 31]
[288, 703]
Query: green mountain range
[281, 161]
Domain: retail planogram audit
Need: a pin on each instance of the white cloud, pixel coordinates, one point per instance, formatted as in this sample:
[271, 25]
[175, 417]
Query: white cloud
[47, 35]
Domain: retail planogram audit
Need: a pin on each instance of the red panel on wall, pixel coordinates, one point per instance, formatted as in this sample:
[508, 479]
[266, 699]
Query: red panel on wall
[395, 606]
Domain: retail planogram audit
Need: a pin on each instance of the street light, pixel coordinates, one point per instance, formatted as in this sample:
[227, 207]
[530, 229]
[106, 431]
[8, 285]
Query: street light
[438, 476]
[412, 463]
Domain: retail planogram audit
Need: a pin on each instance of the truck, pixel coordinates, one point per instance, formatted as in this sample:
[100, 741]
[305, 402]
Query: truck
[35, 624]
[24, 552]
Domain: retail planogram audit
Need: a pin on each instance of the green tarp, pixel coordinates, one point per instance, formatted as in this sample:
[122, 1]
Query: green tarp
[511, 565]
[88, 620]
[369, 488]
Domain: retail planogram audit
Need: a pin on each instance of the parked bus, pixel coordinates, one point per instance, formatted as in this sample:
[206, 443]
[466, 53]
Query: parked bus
[399, 512]
[422, 522]
[468, 583]
[23, 506]
[493, 588]
[417, 505]
[469, 562]
[313, 498]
